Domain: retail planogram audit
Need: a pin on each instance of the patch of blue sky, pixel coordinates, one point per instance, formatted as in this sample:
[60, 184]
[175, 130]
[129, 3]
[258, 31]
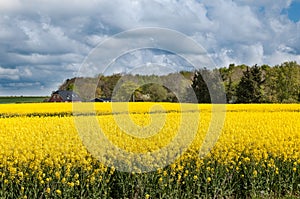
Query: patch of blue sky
[293, 11]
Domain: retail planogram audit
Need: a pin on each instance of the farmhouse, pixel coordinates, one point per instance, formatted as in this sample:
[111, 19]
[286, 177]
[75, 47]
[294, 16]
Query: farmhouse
[64, 96]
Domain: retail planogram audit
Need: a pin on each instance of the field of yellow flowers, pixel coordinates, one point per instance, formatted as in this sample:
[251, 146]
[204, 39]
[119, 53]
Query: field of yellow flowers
[54, 150]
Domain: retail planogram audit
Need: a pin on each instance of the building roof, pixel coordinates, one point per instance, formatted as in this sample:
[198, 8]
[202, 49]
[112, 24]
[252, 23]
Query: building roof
[68, 95]
[101, 100]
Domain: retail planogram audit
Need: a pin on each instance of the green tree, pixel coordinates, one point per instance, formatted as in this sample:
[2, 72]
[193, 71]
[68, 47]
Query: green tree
[126, 91]
[270, 85]
[288, 82]
[230, 85]
[107, 84]
[249, 88]
[208, 86]
[157, 93]
[230, 91]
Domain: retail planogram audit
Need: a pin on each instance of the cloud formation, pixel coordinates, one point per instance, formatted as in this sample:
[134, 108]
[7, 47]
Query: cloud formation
[41, 44]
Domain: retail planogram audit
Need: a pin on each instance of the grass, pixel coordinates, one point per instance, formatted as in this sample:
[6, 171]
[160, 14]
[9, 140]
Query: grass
[22, 99]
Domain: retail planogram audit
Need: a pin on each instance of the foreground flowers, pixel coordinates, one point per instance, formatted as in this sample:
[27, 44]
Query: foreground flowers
[257, 153]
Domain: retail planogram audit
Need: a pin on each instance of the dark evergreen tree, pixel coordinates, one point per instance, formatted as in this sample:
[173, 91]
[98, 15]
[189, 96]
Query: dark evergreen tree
[257, 83]
[249, 88]
[200, 87]
[245, 88]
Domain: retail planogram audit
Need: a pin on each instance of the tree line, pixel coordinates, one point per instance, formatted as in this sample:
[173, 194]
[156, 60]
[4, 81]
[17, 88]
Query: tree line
[240, 84]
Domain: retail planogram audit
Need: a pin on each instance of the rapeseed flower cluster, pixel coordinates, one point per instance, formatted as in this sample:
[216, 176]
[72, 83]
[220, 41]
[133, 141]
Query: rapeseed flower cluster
[42, 154]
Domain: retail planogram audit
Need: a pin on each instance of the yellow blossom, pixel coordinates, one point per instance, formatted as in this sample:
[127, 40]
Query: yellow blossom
[58, 191]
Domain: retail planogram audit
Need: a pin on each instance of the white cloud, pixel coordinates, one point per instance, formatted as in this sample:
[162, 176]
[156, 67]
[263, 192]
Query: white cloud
[26, 84]
[26, 72]
[279, 56]
[94, 40]
[8, 73]
[46, 38]
[9, 6]
[253, 54]
[52, 38]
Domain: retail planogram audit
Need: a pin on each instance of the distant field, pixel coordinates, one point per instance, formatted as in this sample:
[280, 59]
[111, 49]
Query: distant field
[23, 99]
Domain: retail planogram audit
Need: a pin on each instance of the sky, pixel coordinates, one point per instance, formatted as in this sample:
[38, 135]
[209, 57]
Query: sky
[43, 43]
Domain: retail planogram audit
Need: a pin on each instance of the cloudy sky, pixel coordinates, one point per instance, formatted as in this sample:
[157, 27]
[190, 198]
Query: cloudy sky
[42, 43]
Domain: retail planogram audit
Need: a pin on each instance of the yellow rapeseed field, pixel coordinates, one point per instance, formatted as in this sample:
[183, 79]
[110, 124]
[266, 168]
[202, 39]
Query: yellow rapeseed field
[44, 152]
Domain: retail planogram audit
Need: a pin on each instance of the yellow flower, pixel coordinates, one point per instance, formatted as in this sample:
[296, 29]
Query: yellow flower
[147, 196]
[71, 184]
[160, 179]
[295, 163]
[58, 191]
[246, 159]
[254, 173]
[57, 174]
[48, 190]
[76, 176]
[165, 173]
[208, 179]
[92, 179]
[20, 174]
[294, 169]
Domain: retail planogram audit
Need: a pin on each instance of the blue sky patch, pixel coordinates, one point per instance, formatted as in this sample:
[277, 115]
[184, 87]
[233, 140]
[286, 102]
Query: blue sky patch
[293, 11]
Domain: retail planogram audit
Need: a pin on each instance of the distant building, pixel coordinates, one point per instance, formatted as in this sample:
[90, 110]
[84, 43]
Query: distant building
[64, 96]
[101, 100]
